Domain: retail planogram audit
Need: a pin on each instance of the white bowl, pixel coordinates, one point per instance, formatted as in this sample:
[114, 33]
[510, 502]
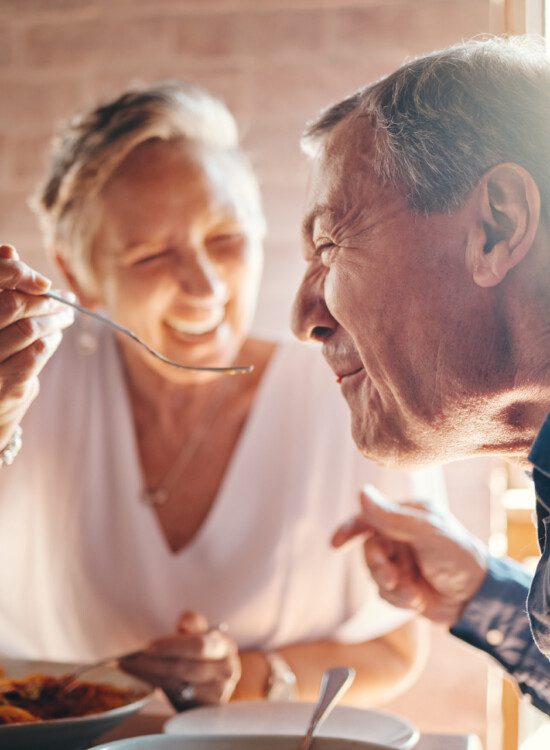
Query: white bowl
[68, 734]
[235, 742]
[291, 718]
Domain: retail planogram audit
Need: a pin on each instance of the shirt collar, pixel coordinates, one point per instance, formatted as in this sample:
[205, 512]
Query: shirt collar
[539, 455]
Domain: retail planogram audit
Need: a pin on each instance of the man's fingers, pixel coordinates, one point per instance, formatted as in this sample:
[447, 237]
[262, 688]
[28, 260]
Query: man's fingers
[428, 506]
[392, 520]
[406, 597]
[349, 530]
[383, 570]
[402, 522]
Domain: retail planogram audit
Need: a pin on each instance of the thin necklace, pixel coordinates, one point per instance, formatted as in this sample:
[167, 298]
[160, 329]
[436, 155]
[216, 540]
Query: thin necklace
[159, 495]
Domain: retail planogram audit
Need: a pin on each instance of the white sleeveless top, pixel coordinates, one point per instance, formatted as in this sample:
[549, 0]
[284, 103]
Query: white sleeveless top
[85, 571]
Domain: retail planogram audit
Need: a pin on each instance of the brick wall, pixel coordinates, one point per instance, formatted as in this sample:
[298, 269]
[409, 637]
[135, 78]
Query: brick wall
[276, 63]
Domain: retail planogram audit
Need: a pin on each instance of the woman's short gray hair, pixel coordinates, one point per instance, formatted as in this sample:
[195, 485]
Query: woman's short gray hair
[442, 120]
[91, 146]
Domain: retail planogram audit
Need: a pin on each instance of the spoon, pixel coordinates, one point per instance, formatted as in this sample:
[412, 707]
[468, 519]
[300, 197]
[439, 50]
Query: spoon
[238, 370]
[334, 684]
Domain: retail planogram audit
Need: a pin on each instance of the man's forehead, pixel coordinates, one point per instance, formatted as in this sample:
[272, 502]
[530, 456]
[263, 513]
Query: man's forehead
[343, 168]
[351, 140]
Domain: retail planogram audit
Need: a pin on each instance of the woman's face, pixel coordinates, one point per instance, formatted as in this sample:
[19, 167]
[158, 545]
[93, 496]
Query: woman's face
[178, 255]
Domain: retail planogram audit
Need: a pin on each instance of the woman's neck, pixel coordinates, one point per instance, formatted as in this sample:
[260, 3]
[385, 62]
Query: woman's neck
[171, 405]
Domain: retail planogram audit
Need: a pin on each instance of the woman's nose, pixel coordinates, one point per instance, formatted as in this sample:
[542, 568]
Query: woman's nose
[311, 319]
[200, 278]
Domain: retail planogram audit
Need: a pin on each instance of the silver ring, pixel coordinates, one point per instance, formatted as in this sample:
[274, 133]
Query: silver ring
[188, 692]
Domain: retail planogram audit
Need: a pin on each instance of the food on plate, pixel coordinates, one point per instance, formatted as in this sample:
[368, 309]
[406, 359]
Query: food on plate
[39, 697]
[13, 715]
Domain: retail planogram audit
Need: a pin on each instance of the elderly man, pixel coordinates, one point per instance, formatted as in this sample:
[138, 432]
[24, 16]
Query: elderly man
[427, 239]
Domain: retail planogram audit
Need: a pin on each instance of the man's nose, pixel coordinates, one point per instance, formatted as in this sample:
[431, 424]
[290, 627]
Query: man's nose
[200, 278]
[311, 319]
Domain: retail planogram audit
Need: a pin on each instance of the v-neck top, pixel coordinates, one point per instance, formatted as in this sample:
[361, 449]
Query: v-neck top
[85, 570]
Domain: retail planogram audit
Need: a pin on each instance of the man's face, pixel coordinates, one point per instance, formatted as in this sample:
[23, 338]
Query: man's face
[413, 341]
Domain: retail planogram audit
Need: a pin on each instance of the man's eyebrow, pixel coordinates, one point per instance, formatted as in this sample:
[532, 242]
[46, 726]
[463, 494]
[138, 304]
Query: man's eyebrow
[310, 218]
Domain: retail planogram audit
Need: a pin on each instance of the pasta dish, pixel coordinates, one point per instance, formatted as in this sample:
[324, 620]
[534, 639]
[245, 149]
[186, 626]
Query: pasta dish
[39, 697]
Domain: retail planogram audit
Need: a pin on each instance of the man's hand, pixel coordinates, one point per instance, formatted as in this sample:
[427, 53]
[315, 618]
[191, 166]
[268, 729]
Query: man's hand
[420, 556]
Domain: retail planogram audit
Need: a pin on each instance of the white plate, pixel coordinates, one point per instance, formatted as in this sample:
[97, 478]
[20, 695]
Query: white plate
[234, 742]
[68, 734]
[274, 717]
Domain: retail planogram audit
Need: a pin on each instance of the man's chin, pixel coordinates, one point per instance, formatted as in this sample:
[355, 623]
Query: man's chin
[382, 433]
[387, 447]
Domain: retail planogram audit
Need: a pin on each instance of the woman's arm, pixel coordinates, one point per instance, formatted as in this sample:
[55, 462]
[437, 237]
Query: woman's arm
[385, 666]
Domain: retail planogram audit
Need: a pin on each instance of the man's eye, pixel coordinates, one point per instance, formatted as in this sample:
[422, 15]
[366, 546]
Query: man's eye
[326, 253]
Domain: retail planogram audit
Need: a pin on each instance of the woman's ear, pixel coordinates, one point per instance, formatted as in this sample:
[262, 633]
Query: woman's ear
[85, 297]
[509, 202]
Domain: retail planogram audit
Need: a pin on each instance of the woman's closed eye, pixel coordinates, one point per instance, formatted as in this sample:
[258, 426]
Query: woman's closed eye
[153, 257]
[226, 237]
[225, 243]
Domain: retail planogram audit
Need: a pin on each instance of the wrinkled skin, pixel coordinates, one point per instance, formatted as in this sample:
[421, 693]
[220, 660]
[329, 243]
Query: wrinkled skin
[419, 555]
[426, 349]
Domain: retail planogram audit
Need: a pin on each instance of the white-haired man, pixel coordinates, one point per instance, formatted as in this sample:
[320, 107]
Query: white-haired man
[427, 239]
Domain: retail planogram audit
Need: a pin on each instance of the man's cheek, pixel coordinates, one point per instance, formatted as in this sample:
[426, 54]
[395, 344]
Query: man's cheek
[340, 299]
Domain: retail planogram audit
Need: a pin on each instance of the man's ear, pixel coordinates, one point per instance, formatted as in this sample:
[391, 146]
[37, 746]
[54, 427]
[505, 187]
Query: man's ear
[86, 298]
[509, 202]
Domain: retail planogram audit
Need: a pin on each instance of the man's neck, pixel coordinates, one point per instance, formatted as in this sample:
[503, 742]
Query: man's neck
[509, 423]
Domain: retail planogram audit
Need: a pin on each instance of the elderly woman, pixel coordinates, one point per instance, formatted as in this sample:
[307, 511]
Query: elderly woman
[142, 491]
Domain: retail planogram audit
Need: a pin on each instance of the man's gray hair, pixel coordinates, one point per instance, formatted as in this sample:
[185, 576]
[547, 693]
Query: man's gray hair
[442, 120]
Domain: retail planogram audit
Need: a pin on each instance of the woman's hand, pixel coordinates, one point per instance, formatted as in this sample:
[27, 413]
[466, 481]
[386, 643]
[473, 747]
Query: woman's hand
[200, 664]
[420, 556]
[30, 332]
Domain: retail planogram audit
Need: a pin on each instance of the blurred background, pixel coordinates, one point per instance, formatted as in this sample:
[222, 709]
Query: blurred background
[275, 63]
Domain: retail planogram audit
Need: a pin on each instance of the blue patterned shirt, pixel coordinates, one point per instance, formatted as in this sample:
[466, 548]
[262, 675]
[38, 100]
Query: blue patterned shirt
[509, 618]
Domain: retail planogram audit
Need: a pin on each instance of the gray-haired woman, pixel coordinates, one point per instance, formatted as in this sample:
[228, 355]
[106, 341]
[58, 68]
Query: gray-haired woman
[142, 491]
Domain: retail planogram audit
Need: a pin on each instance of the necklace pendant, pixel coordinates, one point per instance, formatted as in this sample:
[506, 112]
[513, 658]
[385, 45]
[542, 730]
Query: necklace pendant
[155, 497]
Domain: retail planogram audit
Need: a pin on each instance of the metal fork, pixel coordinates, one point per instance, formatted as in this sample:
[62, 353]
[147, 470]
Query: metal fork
[77, 673]
[74, 676]
[237, 370]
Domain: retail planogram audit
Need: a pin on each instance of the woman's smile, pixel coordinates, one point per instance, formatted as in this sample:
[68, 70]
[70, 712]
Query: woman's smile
[196, 324]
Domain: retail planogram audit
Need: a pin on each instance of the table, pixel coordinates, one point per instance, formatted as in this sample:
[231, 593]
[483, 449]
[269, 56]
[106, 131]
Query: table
[151, 723]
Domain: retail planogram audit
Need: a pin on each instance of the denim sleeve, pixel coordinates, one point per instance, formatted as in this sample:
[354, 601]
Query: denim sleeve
[496, 622]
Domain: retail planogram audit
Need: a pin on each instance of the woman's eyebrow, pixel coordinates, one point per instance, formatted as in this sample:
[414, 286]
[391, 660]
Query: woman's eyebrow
[133, 247]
